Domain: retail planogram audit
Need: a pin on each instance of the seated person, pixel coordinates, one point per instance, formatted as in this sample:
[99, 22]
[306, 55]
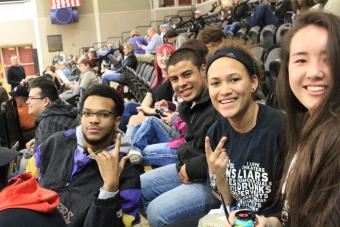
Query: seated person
[160, 89]
[156, 140]
[263, 15]
[136, 39]
[22, 201]
[87, 79]
[244, 147]
[129, 60]
[154, 41]
[20, 95]
[88, 165]
[3, 94]
[179, 192]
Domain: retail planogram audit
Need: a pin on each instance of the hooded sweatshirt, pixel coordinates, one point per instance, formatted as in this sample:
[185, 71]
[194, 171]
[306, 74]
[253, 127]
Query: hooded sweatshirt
[59, 116]
[23, 201]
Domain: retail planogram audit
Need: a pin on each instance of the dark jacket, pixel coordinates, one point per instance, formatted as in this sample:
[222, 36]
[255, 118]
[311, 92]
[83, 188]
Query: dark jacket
[14, 75]
[79, 194]
[59, 116]
[23, 203]
[130, 61]
[198, 119]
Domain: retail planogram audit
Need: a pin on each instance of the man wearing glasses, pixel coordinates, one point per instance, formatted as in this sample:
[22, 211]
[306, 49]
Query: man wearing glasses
[88, 168]
[51, 114]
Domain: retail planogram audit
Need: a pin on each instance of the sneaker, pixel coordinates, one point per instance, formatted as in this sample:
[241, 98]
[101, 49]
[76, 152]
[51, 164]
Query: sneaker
[135, 157]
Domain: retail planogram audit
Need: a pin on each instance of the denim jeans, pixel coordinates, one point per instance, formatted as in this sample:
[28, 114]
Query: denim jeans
[263, 16]
[234, 27]
[159, 154]
[110, 76]
[166, 200]
[129, 110]
[156, 132]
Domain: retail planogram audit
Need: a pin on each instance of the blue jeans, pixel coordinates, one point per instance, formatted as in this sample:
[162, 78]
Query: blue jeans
[110, 76]
[153, 131]
[167, 201]
[159, 154]
[129, 110]
[263, 16]
[234, 27]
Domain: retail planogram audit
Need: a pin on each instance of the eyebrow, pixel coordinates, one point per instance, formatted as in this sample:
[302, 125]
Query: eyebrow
[228, 75]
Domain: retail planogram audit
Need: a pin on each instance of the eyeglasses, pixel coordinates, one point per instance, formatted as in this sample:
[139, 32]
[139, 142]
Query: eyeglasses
[32, 98]
[100, 114]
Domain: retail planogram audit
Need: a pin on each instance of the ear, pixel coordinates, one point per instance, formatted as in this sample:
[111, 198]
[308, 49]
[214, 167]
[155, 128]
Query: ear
[117, 121]
[202, 71]
[255, 82]
[46, 102]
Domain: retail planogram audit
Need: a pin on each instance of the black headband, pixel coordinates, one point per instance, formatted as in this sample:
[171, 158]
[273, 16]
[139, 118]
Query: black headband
[236, 54]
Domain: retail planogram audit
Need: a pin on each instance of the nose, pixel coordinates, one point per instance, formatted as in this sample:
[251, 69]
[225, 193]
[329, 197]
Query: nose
[182, 82]
[316, 70]
[225, 89]
[94, 118]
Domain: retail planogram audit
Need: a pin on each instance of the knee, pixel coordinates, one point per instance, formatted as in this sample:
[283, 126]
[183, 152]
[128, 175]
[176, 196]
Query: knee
[156, 215]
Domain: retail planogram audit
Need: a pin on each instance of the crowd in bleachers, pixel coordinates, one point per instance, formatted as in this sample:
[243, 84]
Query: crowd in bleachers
[232, 116]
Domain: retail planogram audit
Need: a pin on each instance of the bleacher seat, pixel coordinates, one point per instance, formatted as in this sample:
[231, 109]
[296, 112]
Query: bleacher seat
[267, 37]
[254, 34]
[282, 29]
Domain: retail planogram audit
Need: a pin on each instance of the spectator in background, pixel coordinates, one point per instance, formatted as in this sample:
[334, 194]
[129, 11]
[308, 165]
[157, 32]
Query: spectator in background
[20, 95]
[3, 94]
[95, 62]
[64, 66]
[154, 41]
[160, 89]
[211, 36]
[15, 73]
[198, 22]
[22, 201]
[51, 113]
[129, 60]
[300, 6]
[136, 39]
[163, 28]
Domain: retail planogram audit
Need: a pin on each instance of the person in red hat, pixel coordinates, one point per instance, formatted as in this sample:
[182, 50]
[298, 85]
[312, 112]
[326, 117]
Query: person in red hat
[22, 201]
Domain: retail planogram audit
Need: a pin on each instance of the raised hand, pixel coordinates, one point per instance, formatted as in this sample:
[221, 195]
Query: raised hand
[109, 165]
[217, 159]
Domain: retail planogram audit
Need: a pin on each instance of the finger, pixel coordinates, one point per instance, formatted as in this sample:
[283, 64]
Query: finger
[91, 152]
[116, 150]
[208, 149]
[104, 154]
[221, 143]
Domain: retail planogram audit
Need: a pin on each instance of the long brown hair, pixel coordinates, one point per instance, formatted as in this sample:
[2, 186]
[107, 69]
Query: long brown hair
[313, 184]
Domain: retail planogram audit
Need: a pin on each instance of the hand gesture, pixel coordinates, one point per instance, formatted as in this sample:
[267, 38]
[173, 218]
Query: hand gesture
[109, 166]
[183, 175]
[217, 159]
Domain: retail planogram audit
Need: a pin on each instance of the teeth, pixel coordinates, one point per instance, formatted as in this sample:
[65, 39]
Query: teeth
[315, 88]
[227, 101]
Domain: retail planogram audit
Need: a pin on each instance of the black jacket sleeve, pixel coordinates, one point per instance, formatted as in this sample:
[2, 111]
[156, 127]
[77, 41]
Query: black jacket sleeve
[105, 212]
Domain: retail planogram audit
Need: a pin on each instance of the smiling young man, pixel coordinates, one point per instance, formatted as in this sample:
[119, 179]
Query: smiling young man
[177, 194]
[92, 192]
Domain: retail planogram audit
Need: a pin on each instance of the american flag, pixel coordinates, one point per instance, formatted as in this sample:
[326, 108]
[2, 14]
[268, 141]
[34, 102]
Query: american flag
[57, 4]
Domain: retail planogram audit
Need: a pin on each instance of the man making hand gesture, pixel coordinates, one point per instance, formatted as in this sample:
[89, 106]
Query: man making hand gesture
[88, 167]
